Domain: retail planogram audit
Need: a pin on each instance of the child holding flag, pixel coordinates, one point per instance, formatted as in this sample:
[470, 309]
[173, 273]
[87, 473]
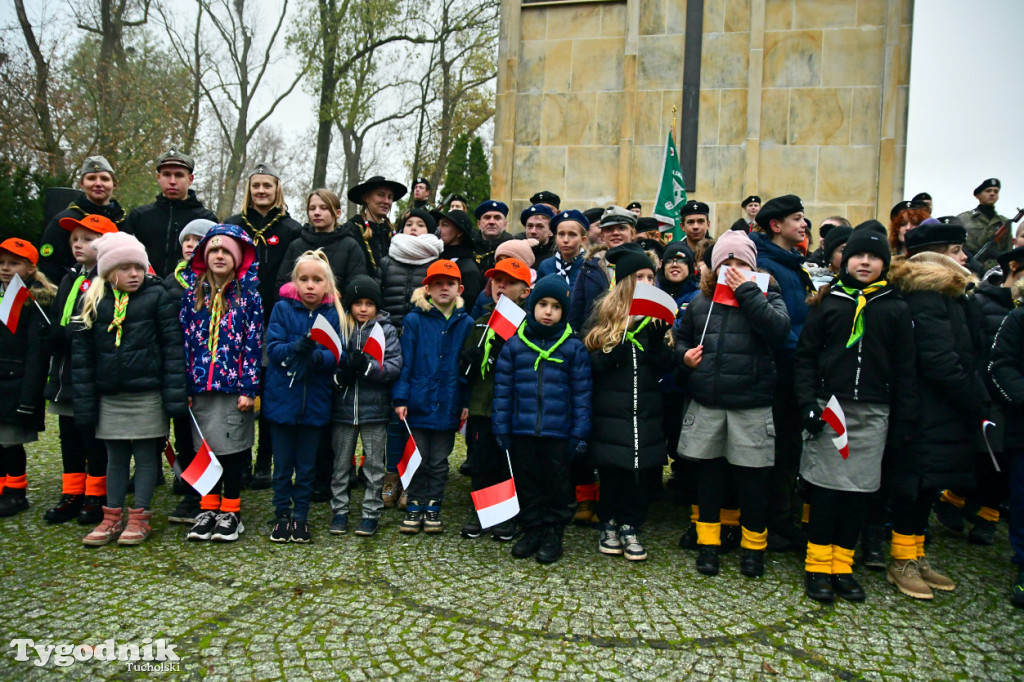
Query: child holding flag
[728, 424]
[628, 357]
[22, 365]
[222, 316]
[430, 395]
[858, 348]
[128, 375]
[297, 396]
[542, 416]
[510, 278]
[362, 401]
[84, 458]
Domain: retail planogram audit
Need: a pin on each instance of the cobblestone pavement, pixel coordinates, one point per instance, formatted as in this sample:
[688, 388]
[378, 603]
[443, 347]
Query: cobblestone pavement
[441, 607]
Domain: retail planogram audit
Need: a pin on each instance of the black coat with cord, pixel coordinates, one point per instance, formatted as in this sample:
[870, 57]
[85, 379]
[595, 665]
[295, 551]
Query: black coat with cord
[158, 225]
[373, 249]
[151, 356]
[626, 402]
[472, 278]
[23, 363]
[272, 234]
[1006, 369]
[55, 256]
[343, 251]
[398, 281]
[952, 398]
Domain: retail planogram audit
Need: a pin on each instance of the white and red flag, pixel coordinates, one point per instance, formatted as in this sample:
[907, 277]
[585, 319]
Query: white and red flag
[506, 318]
[323, 333]
[834, 417]
[650, 301]
[497, 503]
[374, 346]
[15, 297]
[205, 469]
[411, 460]
[462, 427]
[726, 296]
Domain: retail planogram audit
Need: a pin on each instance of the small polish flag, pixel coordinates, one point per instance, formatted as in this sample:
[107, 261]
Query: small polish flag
[374, 346]
[410, 462]
[151, 271]
[650, 301]
[171, 459]
[323, 333]
[13, 301]
[497, 503]
[834, 417]
[726, 296]
[462, 427]
[506, 318]
[204, 471]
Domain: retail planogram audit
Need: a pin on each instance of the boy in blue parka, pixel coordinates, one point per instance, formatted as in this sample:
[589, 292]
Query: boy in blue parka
[431, 395]
[542, 416]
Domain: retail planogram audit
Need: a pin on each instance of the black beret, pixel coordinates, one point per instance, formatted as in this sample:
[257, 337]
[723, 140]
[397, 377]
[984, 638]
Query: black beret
[627, 259]
[990, 182]
[647, 225]
[536, 209]
[834, 239]
[648, 244]
[752, 199]
[922, 197]
[866, 238]
[931, 234]
[778, 208]
[906, 206]
[546, 197]
[1008, 257]
[693, 207]
[491, 205]
[421, 181]
[593, 215]
[634, 204]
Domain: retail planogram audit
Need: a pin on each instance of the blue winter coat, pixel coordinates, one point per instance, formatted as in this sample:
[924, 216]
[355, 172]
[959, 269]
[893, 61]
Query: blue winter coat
[552, 400]
[368, 401]
[592, 282]
[297, 391]
[431, 385]
[787, 269]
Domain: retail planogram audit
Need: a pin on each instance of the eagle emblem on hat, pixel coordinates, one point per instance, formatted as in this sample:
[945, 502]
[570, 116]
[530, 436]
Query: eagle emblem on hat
[215, 242]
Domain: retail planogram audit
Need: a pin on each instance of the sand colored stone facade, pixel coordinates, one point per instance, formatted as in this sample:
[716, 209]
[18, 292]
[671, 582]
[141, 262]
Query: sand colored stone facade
[796, 96]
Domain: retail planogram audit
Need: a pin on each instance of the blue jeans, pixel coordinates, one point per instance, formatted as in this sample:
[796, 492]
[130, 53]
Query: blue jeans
[1017, 507]
[294, 452]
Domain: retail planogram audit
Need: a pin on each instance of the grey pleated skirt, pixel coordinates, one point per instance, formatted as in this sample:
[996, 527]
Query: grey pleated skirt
[125, 416]
[226, 429]
[867, 425]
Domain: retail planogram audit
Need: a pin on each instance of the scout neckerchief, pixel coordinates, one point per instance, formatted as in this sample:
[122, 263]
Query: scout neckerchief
[257, 235]
[565, 267]
[178, 276]
[858, 319]
[120, 310]
[216, 312]
[488, 342]
[69, 304]
[543, 354]
[632, 335]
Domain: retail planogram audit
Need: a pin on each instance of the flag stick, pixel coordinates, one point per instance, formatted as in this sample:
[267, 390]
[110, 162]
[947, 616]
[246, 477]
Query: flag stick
[41, 310]
[407, 427]
[508, 458]
[196, 424]
[706, 324]
[480, 343]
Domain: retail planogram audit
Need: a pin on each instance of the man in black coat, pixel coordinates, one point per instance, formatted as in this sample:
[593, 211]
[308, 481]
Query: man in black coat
[157, 225]
[491, 218]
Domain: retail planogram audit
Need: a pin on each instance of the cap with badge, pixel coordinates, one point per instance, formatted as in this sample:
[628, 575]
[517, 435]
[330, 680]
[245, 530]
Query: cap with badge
[778, 208]
[514, 268]
[694, 207]
[906, 206]
[93, 222]
[172, 157]
[546, 197]
[264, 169]
[489, 206]
[616, 215]
[536, 209]
[989, 182]
[922, 197]
[21, 248]
[634, 204]
[571, 215]
[95, 164]
[421, 181]
[442, 268]
[752, 199]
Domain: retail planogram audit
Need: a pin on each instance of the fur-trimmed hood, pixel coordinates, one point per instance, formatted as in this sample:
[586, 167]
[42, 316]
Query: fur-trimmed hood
[421, 300]
[928, 271]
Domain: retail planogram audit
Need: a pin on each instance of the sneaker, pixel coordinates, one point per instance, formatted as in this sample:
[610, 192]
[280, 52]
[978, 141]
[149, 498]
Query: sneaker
[935, 580]
[471, 529]
[1017, 591]
[504, 531]
[413, 521]
[585, 510]
[708, 560]
[339, 524]
[107, 530]
[299, 532]
[983, 533]
[629, 537]
[229, 527]
[367, 527]
[432, 518]
[731, 536]
[66, 509]
[282, 528]
[204, 525]
[752, 563]
[186, 511]
[550, 549]
[847, 587]
[905, 574]
[949, 516]
[818, 586]
[528, 545]
[688, 540]
[610, 542]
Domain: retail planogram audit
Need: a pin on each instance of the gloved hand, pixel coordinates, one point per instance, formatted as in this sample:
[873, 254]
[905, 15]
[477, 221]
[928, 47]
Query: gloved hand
[344, 376]
[577, 448]
[813, 423]
[504, 442]
[357, 362]
[303, 346]
[620, 354]
[471, 357]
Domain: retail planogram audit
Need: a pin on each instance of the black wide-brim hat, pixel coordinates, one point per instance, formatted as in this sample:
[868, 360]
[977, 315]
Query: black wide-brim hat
[356, 194]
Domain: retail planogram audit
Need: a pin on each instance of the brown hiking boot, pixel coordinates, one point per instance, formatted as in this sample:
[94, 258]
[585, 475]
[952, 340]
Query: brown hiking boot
[137, 529]
[110, 527]
[391, 490]
[935, 580]
[584, 515]
[403, 500]
[906, 576]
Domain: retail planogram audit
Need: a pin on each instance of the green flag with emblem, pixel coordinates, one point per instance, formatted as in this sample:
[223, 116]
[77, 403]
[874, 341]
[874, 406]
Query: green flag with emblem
[671, 192]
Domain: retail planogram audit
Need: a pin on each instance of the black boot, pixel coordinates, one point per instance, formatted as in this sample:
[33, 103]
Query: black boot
[707, 560]
[752, 563]
[92, 510]
[688, 540]
[528, 544]
[818, 586]
[13, 501]
[67, 508]
[550, 549]
[847, 587]
[871, 553]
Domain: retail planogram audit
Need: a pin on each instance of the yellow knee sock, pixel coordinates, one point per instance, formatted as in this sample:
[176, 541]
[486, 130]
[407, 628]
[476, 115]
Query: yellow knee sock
[903, 547]
[730, 517]
[752, 540]
[989, 514]
[952, 498]
[819, 558]
[919, 546]
[842, 560]
[709, 534]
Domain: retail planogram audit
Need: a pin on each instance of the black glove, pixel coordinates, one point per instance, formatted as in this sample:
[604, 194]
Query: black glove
[357, 362]
[813, 423]
[344, 377]
[502, 441]
[303, 346]
[471, 357]
[577, 449]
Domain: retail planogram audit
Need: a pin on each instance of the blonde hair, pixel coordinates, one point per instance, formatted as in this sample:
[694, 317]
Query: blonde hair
[329, 198]
[320, 258]
[278, 201]
[207, 279]
[611, 316]
[92, 298]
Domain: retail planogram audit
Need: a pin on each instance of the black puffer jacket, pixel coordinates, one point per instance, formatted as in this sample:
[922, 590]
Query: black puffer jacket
[737, 370]
[66, 305]
[952, 398]
[626, 403]
[272, 234]
[55, 257]
[472, 278]
[157, 226]
[374, 249]
[993, 303]
[1006, 369]
[879, 368]
[397, 282]
[151, 355]
[23, 358]
[342, 249]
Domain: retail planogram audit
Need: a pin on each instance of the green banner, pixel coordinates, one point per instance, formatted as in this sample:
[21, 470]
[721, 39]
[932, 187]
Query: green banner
[671, 193]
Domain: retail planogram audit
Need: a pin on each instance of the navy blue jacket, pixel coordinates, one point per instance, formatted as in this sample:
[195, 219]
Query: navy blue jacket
[591, 283]
[787, 269]
[431, 385]
[550, 401]
[368, 401]
[549, 266]
[307, 400]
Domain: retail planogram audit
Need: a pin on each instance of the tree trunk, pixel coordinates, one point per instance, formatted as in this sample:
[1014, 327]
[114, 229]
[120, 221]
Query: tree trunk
[328, 86]
[41, 99]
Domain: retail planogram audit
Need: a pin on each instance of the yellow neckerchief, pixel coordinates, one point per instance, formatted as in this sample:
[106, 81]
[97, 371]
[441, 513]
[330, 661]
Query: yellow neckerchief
[178, 269]
[257, 235]
[69, 304]
[858, 320]
[632, 335]
[120, 310]
[543, 354]
[216, 312]
[488, 342]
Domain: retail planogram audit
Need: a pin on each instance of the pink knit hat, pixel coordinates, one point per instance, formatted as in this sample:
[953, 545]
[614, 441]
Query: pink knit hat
[118, 248]
[517, 248]
[734, 244]
[226, 242]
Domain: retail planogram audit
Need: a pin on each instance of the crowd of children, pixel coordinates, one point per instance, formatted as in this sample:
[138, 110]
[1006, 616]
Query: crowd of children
[872, 381]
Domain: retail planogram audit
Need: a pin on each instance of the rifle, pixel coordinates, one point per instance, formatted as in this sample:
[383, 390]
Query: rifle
[1003, 230]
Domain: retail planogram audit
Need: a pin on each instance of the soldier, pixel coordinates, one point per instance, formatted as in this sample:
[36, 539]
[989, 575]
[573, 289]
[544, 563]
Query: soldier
[490, 222]
[549, 199]
[421, 194]
[635, 207]
[751, 205]
[982, 222]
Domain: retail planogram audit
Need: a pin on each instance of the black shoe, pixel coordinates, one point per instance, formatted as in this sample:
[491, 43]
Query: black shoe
[752, 563]
[818, 586]
[186, 511]
[282, 529]
[68, 507]
[300, 531]
[466, 469]
[528, 544]
[92, 510]
[261, 479]
[688, 540]
[471, 529]
[504, 531]
[949, 516]
[550, 549]
[785, 538]
[707, 560]
[731, 536]
[871, 554]
[13, 501]
[847, 587]
[983, 533]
